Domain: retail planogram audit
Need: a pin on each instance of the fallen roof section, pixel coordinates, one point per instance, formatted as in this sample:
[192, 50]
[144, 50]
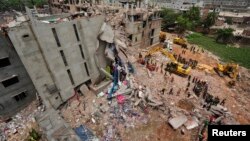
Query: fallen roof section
[55, 128]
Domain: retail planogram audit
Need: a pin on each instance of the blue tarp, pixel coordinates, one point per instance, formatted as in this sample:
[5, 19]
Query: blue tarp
[84, 133]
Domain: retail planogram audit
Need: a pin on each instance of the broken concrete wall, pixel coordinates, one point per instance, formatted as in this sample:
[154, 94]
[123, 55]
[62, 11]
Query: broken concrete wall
[89, 33]
[33, 60]
[136, 39]
[9, 105]
[102, 60]
[66, 53]
[54, 58]
[156, 25]
[106, 33]
[155, 36]
[151, 33]
[146, 37]
[55, 127]
[134, 27]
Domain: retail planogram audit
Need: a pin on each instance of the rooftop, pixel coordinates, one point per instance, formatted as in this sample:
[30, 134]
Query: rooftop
[233, 14]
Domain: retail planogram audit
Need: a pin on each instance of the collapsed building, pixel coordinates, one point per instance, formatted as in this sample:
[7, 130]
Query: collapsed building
[16, 88]
[142, 24]
[63, 51]
[60, 53]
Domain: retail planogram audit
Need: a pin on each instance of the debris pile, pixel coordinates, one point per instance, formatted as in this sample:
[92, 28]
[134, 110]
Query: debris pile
[146, 91]
[18, 126]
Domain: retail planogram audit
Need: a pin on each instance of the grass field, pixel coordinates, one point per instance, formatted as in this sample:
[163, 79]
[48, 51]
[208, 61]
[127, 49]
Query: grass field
[225, 52]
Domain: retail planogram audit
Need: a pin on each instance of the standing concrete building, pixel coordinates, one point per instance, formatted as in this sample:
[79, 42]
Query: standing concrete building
[228, 5]
[16, 88]
[60, 53]
[180, 5]
[143, 27]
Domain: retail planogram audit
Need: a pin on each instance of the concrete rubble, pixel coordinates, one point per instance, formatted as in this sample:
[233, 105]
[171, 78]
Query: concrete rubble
[142, 99]
[84, 89]
[106, 33]
[192, 123]
[177, 121]
[17, 127]
[54, 127]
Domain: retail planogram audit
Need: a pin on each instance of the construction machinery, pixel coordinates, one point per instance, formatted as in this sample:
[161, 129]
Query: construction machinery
[180, 41]
[179, 68]
[166, 42]
[153, 50]
[162, 36]
[174, 66]
[159, 48]
[230, 69]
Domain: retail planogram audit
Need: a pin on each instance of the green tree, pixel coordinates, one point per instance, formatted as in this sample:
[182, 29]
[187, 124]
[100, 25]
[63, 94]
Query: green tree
[4, 4]
[209, 21]
[37, 3]
[185, 21]
[193, 14]
[169, 17]
[33, 136]
[188, 20]
[183, 24]
[225, 35]
[19, 5]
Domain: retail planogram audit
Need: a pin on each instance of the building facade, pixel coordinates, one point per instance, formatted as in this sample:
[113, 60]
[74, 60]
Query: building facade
[228, 5]
[16, 87]
[143, 27]
[61, 56]
[180, 5]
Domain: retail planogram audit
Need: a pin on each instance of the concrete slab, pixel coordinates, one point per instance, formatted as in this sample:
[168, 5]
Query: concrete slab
[120, 44]
[123, 92]
[55, 128]
[106, 33]
[109, 54]
[98, 88]
[84, 89]
[178, 121]
[191, 123]
[218, 110]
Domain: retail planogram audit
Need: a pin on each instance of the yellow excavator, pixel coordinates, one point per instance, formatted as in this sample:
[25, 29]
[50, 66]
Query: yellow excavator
[179, 68]
[180, 41]
[173, 66]
[162, 36]
[230, 69]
